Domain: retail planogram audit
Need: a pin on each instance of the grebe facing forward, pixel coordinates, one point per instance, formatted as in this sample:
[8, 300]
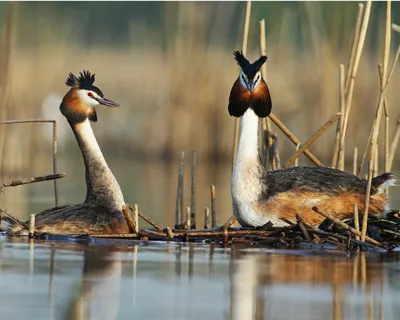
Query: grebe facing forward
[259, 196]
[101, 212]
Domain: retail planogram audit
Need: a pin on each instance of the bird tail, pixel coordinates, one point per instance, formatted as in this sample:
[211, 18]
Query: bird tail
[383, 181]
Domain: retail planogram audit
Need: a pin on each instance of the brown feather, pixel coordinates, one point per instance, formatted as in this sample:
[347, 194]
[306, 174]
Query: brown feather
[261, 100]
[239, 100]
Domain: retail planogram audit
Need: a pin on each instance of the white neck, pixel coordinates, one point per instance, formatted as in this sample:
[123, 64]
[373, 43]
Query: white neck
[246, 184]
[102, 187]
[248, 139]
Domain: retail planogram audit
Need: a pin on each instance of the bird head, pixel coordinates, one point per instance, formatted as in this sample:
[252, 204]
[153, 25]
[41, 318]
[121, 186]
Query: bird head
[80, 101]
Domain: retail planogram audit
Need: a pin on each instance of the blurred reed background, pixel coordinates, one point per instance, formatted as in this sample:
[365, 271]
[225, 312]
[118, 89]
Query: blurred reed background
[170, 65]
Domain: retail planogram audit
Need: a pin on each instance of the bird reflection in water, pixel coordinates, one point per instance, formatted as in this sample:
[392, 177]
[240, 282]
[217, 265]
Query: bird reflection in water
[98, 295]
[278, 286]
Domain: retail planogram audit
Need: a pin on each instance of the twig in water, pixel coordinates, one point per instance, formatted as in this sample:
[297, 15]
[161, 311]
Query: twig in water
[207, 222]
[293, 138]
[21, 223]
[232, 220]
[347, 227]
[32, 226]
[128, 219]
[145, 218]
[213, 207]
[169, 233]
[302, 228]
[356, 221]
[316, 135]
[193, 193]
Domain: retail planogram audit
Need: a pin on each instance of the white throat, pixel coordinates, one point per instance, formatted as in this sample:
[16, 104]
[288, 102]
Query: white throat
[246, 184]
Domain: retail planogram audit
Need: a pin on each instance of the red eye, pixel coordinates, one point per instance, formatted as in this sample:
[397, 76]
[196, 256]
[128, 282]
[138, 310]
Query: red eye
[90, 94]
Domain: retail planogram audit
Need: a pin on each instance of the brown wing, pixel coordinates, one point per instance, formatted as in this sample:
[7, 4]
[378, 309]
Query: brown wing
[239, 100]
[261, 100]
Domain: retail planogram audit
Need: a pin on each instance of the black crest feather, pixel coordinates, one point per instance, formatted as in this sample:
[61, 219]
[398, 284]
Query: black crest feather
[250, 69]
[84, 81]
[241, 60]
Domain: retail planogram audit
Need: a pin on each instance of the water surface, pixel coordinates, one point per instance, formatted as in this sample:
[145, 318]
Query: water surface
[150, 280]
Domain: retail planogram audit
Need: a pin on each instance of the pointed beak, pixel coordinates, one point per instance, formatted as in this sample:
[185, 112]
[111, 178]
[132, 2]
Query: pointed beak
[108, 103]
[250, 85]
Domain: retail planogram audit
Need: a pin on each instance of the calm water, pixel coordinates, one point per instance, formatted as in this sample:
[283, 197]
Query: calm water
[148, 280]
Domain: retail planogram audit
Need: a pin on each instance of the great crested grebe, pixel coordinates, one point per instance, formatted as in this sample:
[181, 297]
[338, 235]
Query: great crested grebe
[259, 196]
[101, 212]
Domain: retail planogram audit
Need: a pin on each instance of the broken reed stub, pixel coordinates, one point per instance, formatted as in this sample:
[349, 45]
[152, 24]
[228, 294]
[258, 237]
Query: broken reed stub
[32, 225]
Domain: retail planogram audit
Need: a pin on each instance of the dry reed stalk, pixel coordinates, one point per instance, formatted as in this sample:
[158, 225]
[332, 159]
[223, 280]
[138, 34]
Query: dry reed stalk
[207, 222]
[340, 164]
[394, 144]
[395, 27]
[244, 50]
[193, 192]
[213, 207]
[352, 73]
[342, 111]
[277, 157]
[315, 136]
[134, 208]
[187, 220]
[355, 155]
[347, 227]
[293, 138]
[128, 219]
[356, 220]
[364, 155]
[266, 122]
[356, 37]
[376, 123]
[376, 165]
[54, 122]
[170, 233]
[387, 133]
[16, 220]
[179, 192]
[232, 220]
[136, 218]
[296, 162]
[32, 225]
[49, 177]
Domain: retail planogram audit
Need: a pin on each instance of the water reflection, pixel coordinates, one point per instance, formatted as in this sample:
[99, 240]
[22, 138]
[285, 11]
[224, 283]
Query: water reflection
[144, 280]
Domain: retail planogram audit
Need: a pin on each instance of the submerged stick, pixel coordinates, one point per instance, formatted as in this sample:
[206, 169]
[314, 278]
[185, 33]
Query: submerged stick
[49, 177]
[293, 138]
[213, 207]
[244, 50]
[346, 226]
[32, 225]
[193, 192]
[310, 141]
